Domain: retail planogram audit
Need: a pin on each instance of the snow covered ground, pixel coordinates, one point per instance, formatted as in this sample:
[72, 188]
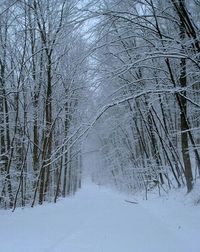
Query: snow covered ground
[99, 220]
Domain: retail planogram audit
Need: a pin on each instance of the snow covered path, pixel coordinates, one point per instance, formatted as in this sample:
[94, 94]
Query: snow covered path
[98, 220]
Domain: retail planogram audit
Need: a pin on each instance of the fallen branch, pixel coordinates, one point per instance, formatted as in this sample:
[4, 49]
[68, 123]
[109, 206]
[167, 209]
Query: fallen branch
[132, 202]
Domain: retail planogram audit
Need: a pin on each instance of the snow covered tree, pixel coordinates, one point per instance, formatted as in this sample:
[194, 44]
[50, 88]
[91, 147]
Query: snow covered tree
[43, 77]
[147, 53]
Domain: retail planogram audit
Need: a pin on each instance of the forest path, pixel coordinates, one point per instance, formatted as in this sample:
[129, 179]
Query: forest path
[99, 220]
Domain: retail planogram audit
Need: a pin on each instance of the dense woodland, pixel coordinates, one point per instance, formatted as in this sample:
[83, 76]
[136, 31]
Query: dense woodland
[125, 72]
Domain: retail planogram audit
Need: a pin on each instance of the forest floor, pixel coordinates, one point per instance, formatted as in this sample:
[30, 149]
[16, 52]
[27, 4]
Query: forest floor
[100, 220]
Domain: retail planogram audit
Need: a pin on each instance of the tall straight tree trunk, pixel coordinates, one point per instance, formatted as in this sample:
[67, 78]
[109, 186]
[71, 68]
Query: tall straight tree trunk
[49, 123]
[2, 121]
[47, 144]
[66, 157]
[4, 126]
[183, 115]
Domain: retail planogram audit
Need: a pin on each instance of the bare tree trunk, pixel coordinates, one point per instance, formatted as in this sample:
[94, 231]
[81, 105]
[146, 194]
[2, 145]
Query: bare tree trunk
[47, 145]
[183, 115]
[66, 158]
